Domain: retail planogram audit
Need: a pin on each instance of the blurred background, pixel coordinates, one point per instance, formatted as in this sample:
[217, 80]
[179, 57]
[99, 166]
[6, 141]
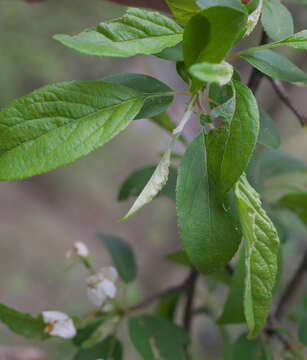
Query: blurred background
[41, 217]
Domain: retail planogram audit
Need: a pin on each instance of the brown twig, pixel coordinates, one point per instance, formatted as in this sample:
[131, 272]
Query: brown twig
[190, 291]
[152, 298]
[291, 289]
[256, 76]
[284, 96]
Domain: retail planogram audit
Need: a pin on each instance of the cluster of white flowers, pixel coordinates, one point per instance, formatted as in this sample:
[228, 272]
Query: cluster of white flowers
[100, 286]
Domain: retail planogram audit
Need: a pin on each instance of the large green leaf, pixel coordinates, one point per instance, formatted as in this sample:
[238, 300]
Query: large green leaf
[152, 335]
[109, 348]
[261, 249]
[276, 66]
[136, 182]
[208, 228]
[296, 202]
[229, 148]
[276, 20]
[219, 24]
[183, 10]
[22, 323]
[137, 32]
[268, 133]
[58, 124]
[122, 255]
[158, 100]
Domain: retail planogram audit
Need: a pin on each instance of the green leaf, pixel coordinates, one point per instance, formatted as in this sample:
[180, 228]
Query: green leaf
[137, 32]
[58, 124]
[84, 333]
[233, 311]
[276, 20]
[261, 249]
[122, 255]
[276, 66]
[229, 148]
[167, 306]
[253, 18]
[136, 182]
[226, 342]
[183, 10]
[250, 349]
[107, 349]
[208, 72]
[22, 323]
[296, 41]
[296, 202]
[155, 184]
[155, 337]
[209, 229]
[219, 24]
[158, 99]
[173, 53]
[268, 133]
[275, 163]
[165, 122]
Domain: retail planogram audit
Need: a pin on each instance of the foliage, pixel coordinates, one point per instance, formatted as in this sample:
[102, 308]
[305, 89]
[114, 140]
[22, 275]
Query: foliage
[217, 208]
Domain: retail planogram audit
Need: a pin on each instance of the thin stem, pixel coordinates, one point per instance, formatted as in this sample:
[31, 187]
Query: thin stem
[292, 288]
[155, 297]
[190, 291]
[284, 96]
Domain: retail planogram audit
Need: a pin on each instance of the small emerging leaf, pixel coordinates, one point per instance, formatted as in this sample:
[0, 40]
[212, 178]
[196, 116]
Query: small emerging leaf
[253, 19]
[261, 249]
[137, 32]
[136, 182]
[154, 185]
[208, 72]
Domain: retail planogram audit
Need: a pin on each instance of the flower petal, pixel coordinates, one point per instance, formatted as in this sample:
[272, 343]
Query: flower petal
[52, 316]
[64, 329]
[109, 273]
[96, 295]
[108, 288]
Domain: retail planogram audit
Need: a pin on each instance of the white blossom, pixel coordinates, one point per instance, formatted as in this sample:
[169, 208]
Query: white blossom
[59, 324]
[102, 285]
[78, 251]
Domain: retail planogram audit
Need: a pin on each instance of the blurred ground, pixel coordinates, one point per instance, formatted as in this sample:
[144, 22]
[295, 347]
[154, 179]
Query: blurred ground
[41, 217]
